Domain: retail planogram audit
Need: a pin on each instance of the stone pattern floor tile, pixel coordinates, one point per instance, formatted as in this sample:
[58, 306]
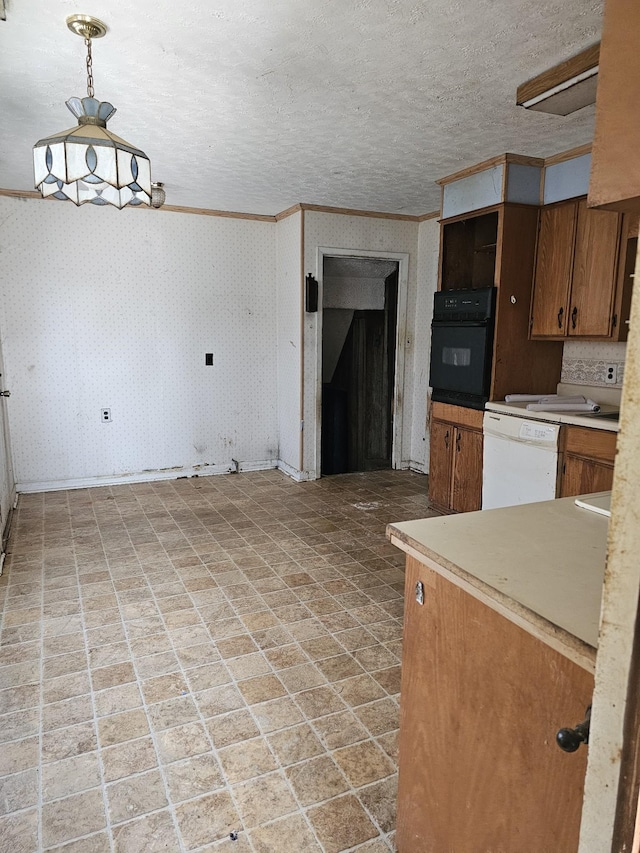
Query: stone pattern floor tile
[206, 664]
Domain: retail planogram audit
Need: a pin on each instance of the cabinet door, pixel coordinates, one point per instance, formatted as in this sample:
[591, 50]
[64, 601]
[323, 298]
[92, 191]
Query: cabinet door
[440, 457]
[582, 476]
[594, 272]
[554, 261]
[467, 471]
[481, 702]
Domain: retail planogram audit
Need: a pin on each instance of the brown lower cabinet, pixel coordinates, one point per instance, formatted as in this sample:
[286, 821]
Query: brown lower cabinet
[455, 467]
[481, 702]
[588, 460]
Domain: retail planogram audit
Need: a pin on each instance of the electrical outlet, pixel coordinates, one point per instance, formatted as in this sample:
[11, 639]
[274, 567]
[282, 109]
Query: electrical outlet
[105, 415]
[611, 374]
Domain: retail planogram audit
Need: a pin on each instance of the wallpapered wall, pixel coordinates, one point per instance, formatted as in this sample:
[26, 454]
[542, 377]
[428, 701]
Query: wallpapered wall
[106, 308]
[102, 308]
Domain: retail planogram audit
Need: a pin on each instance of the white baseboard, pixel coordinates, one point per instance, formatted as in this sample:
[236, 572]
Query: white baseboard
[144, 476]
[419, 467]
[294, 473]
[175, 474]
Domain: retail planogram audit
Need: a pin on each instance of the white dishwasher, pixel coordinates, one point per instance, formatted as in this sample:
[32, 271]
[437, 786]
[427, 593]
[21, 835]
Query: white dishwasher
[520, 463]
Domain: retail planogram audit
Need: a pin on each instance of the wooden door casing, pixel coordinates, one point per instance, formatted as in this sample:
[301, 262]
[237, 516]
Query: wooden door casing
[481, 701]
[554, 262]
[7, 477]
[594, 272]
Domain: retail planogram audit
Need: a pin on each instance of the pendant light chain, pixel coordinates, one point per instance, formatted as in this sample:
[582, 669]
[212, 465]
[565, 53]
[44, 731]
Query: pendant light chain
[87, 42]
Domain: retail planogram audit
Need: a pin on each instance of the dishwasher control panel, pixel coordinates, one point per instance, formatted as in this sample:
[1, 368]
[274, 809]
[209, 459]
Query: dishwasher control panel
[536, 431]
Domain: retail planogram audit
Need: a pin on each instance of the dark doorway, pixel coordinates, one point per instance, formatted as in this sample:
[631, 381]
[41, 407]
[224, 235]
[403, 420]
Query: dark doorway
[360, 298]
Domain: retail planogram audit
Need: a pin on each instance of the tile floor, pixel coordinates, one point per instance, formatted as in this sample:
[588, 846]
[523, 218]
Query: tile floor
[186, 661]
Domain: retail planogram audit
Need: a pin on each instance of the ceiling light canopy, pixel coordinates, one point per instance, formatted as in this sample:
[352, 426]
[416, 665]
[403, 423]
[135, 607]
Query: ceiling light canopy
[88, 163]
[565, 88]
[158, 195]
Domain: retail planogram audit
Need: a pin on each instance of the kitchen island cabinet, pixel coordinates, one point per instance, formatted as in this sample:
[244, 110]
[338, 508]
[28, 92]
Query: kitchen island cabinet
[496, 659]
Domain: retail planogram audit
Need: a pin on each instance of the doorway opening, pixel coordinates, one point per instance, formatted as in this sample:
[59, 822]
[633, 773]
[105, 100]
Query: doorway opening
[359, 333]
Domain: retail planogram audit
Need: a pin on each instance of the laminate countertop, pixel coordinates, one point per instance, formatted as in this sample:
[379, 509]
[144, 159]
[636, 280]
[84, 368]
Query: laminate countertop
[541, 565]
[582, 419]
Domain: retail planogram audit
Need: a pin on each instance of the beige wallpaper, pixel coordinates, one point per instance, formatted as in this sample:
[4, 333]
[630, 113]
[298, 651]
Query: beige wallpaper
[107, 308]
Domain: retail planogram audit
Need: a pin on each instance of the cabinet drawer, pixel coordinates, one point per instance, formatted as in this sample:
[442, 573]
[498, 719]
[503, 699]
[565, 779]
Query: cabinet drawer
[592, 443]
[459, 415]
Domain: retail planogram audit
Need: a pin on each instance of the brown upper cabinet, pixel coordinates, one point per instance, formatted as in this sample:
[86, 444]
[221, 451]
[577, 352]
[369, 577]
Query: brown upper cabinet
[582, 286]
[469, 252]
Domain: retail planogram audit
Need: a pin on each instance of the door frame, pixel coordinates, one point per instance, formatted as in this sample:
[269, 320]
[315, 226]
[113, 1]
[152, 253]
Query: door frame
[6, 463]
[402, 258]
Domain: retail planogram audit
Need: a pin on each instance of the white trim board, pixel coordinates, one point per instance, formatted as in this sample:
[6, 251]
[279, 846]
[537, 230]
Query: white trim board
[144, 477]
[153, 476]
[294, 473]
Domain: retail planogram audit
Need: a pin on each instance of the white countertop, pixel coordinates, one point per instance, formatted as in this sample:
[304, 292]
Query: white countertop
[543, 562]
[575, 418]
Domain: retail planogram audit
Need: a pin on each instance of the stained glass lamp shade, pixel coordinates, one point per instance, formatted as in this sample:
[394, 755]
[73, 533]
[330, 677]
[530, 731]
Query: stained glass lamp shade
[89, 164]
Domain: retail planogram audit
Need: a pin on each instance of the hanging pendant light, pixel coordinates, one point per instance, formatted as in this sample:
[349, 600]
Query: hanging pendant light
[88, 163]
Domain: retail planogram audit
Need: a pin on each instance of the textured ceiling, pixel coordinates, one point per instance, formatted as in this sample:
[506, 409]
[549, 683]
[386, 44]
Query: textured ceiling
[254, 105]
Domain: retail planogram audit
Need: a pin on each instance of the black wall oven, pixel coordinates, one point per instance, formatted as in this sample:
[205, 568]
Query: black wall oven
[462, 346]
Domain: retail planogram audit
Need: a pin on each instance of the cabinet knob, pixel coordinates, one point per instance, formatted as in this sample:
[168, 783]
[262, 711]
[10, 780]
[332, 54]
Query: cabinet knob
[570, 739]
[574, 316]
[560, 313]
[446, 439]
